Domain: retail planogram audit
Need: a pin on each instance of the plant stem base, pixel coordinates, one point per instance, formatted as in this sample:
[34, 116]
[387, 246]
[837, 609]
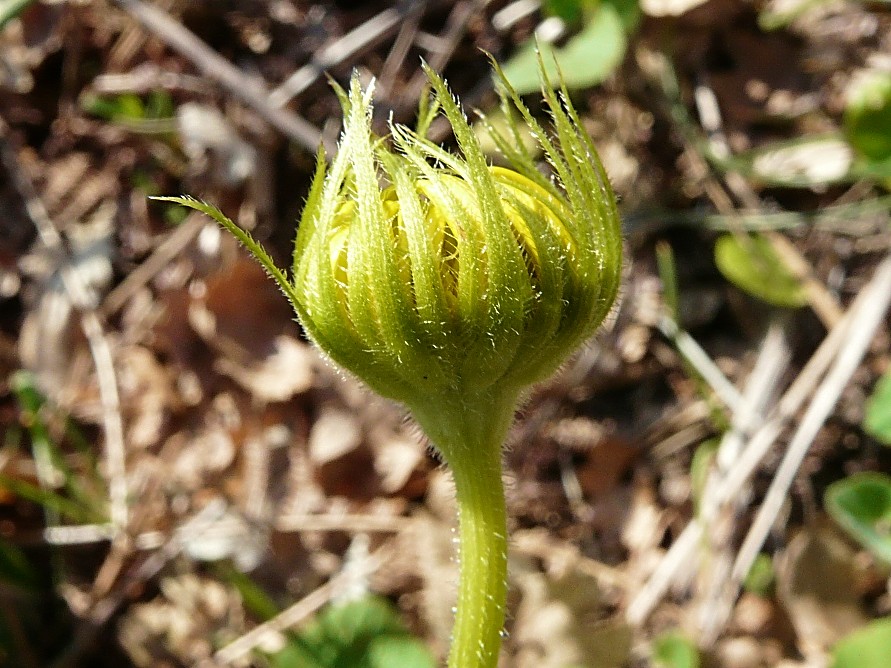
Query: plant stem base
[469, 434]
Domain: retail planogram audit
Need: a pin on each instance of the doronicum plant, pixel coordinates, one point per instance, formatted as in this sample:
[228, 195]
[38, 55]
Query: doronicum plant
[451, 285]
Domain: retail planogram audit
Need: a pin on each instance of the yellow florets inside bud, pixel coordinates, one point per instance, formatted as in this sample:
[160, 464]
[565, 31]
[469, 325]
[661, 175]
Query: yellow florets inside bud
[451, 212]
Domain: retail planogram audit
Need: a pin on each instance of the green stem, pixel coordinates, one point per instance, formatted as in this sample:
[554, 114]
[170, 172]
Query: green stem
[470, 433]
[482, 589]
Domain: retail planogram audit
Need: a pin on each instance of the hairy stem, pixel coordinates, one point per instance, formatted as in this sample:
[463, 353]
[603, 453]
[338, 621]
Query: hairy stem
[472, 449]
[482, 590]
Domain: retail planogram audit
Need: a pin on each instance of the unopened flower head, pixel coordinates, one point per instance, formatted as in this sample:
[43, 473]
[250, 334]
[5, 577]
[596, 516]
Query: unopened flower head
[450, 285]
[429, 274]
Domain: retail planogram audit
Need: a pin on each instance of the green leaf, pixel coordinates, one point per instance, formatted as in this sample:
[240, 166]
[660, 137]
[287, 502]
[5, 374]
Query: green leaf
[752, 264]
[254, 598]
[34, 409]
[129, 107]
[15, 569]
[587, 59]
[568, 10]
[124, 107]
[701, 466]
[398, 650]
[668, 275]
[50, 500]
[861, 505]
[877, 422]
[873, 169]
[366, 633]
[9, 9]
[159, 105]
[759, 580]
[867, 118]
[673, 650]
[629, 13]
[868, 647]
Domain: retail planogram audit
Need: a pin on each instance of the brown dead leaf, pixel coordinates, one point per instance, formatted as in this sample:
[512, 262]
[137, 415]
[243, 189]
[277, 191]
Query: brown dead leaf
[561, 622]
[335, 433]
[184, 621]
[816, 582]
[51, 343]
[147, 394]
[395, 461]
[213, 146]
[26, 42]
[432, 541]
[605, 465]
[249, 310]
[287, 371]
[343, 462]
[398, 453]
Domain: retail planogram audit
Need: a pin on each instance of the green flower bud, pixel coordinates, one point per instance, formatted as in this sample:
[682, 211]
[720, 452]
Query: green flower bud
[451, 285]
[433, 276]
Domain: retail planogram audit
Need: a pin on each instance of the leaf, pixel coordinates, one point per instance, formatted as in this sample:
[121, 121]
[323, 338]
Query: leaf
[867, 117]
[753, 265]
[877, 422]
[130, 109]
[815, 160]
[673, 650]
[868, 647]
[562, 622]
[816, 584]
[861, 504]
[15, 569]
[51, 501]
[569, 11]
[366, 633]
[873, 169]
[700, 467]
[254, 598]
[760, 578]
[33, 406]
[9, 9]
[587, 59]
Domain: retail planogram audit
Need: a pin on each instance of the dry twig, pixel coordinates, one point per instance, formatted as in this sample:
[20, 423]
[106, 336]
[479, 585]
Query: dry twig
[863, 324]
[866, 310]
[250, 90]
[100, 349]
[364, 35]
[720, 518]
[304, 607]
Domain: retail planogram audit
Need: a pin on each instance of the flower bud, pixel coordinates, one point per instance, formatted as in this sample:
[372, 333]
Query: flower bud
[451, 285]
[433, 276]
